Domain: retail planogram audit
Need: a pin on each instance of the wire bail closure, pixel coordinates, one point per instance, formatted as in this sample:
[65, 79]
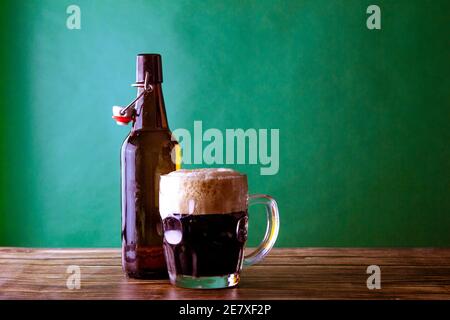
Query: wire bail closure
[124, 115]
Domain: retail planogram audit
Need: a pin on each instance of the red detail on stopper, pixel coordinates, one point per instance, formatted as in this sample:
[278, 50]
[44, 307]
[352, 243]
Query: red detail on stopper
[121, 119]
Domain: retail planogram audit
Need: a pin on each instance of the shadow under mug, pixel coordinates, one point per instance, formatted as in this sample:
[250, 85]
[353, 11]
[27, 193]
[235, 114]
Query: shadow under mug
[205, 224]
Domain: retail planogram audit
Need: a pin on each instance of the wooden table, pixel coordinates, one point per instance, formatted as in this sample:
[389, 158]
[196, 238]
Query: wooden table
[285, 274]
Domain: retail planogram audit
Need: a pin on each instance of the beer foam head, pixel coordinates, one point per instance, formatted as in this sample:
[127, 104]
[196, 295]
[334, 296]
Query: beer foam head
[202, 191]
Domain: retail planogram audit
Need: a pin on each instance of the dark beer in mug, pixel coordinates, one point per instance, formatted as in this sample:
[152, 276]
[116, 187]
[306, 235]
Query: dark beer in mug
[211, 244]
[205, 221]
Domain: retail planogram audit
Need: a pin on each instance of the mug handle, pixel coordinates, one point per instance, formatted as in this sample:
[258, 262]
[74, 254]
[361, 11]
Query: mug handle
[273, 225]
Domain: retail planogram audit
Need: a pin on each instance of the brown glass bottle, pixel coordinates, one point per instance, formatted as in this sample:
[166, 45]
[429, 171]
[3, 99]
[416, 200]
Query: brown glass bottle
[145, 156]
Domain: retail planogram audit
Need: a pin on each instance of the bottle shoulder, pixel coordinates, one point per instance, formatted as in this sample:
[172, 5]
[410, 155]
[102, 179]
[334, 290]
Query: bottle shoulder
[143, 134]
[149, 138]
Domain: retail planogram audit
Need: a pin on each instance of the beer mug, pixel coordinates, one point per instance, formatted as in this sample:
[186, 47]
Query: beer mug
[204, 214]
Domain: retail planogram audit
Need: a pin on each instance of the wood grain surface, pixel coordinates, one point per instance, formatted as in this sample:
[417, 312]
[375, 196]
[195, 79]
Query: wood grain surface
[294, 273]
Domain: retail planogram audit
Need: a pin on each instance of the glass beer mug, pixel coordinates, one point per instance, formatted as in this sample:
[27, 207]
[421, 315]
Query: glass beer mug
[205, 222]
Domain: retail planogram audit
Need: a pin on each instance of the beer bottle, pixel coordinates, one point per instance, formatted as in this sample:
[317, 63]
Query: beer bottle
[147, 153]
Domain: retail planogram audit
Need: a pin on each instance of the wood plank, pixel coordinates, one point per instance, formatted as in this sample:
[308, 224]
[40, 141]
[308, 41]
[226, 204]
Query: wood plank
[288, 273]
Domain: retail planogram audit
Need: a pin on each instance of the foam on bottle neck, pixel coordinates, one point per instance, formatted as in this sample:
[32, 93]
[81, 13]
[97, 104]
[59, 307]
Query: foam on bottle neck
[202, 191]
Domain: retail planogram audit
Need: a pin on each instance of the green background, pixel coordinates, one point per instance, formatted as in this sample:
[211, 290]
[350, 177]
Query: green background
[363, 114]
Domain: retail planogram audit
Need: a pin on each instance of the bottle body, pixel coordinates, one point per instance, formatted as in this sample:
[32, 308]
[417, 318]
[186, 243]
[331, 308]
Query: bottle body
[145, 156]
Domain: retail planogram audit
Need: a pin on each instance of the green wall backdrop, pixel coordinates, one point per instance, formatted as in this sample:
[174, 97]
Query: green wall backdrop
[363, 114]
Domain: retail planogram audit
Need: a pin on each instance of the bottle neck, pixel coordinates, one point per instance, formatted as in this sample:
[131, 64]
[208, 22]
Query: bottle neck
[151, 111]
